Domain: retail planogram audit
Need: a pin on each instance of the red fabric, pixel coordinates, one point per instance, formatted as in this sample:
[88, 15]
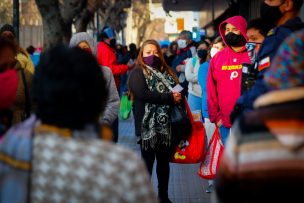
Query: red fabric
[192, 150]
[210, 165]
[184, 49]
[237, 21]
[8, 88]
[224, 76]
[106, 57]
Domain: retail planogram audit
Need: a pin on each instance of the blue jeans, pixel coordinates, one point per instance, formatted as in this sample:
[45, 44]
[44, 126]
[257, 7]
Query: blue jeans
[195, 104]
[224, 132]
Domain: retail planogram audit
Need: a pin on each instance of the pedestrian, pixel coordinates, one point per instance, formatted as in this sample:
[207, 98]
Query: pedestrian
[152, 103]
[186, 49]
[130, 57]
[194, 89]
[24, 59]
[264, 156]
[257, 30]
[21, 106]
[8, 83]
[165, 49]
[60, 155]
[172, 53]
[106, 56]
[87, 43]
[217, 46]
[34, 54]
[225, 73]
[284, 15]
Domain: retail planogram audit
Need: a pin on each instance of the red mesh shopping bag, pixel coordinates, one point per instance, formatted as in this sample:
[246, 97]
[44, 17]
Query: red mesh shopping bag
[190, 150]
[209, 166]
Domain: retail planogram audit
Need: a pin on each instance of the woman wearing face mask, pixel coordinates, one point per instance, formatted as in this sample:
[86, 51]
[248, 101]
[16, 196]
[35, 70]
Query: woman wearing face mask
[217, 46]
[8, 83]
[21, 106]
[85, 42]
[152, 103]
[191, 73]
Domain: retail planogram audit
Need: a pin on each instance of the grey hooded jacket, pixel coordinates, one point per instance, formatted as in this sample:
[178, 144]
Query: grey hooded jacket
[112, 105]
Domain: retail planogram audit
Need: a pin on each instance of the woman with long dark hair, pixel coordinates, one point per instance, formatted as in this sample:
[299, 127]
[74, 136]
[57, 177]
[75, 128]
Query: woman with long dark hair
[152, 103]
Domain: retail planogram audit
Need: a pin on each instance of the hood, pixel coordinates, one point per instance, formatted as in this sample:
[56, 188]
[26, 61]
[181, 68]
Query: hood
[239, 22]
[8, 88]
[83, 37]
[288, 130]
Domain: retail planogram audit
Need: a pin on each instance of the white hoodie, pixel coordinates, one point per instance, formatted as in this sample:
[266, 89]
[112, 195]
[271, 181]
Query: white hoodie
[191, 72]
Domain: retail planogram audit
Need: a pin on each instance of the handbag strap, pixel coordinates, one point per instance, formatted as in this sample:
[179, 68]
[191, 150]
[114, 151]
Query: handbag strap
[188, 110]
[163, 80]
[26, 93]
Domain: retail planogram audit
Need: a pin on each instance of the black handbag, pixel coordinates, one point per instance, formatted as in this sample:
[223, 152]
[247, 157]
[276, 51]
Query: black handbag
[181, 126]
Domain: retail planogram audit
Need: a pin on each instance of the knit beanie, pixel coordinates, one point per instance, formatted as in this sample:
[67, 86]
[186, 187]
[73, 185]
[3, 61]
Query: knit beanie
[79, 37]
[287, 69]
[7, 27]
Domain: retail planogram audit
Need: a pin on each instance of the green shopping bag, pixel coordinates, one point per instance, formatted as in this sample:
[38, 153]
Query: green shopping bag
[125, 107]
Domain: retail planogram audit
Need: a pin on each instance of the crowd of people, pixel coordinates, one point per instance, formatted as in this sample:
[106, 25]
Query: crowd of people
[59, 112]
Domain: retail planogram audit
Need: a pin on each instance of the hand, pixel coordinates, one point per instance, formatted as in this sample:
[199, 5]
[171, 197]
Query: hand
[177, 97]
[219, 123]
[179, 68]
[130, 64]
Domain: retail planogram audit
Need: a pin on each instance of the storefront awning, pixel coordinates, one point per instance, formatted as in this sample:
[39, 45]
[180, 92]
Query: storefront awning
[183, 5]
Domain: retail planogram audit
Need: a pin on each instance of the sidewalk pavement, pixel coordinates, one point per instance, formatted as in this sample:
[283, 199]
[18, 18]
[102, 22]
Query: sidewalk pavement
[185, 186]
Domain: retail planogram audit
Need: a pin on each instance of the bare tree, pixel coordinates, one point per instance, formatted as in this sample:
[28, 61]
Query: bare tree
[69, 9]
[59, 15]
[53, 24]
[156, 29]
[141, 18]
[112, 15]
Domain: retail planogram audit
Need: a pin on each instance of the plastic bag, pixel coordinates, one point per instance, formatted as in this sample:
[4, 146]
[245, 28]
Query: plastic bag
[210, 165]
[125, 107]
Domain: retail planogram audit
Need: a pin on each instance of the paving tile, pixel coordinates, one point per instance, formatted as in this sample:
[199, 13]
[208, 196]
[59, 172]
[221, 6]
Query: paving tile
[185, 186]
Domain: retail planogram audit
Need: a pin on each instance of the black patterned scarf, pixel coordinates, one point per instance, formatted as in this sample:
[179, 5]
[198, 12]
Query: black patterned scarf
[156, 126]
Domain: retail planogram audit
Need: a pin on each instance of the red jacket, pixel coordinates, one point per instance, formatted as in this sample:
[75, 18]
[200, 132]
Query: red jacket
[8, 88]
[224, 76]
[106, 57]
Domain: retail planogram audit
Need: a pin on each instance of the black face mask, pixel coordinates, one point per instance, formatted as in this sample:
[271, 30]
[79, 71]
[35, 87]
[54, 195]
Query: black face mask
[202, 54]
[271, 14]
[235, 40]
[113, 43]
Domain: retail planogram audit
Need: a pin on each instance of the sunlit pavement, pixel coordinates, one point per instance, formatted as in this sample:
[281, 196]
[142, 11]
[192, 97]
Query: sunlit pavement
[185, 185]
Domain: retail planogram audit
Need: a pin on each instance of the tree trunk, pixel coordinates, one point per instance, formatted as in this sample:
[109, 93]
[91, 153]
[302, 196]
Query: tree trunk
[67, 32]
[83, 21]
[53, 25]
[69, 10]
